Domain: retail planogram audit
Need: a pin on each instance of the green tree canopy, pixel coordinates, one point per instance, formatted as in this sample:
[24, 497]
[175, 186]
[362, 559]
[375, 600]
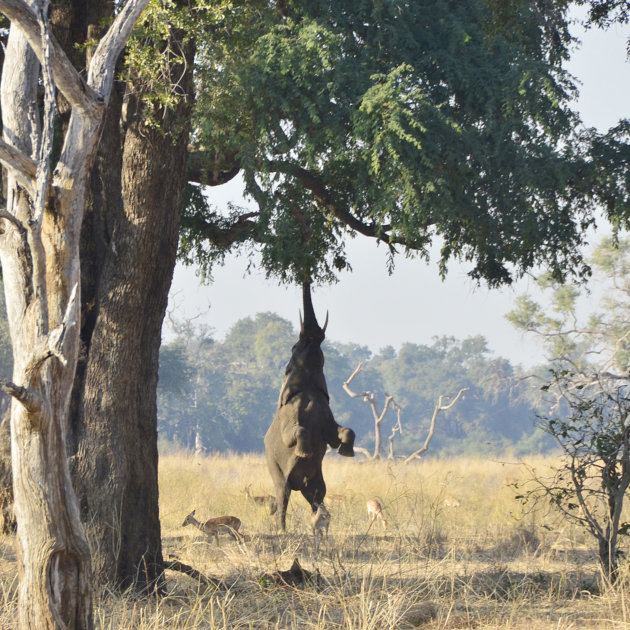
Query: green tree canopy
[407, 122]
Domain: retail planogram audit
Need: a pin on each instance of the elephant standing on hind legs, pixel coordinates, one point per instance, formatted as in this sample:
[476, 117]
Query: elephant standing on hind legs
[303, 426]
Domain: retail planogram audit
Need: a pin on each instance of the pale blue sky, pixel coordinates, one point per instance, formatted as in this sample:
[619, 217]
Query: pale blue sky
[371, 308]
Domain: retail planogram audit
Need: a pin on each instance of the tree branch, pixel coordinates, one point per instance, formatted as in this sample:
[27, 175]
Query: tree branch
[103, 64]
[27, 397]
[370, 397]
[67, 79]
[22, 166]
[210, 169]
[346, 385]
[176, 565]
[311, 181]
[225, 232]
[14, 220]
[439, 407]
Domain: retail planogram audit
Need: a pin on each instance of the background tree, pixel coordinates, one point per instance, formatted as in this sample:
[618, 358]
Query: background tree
[232, 393]
[587, 397]
[378, 416]
[441, 405]
[39, 253]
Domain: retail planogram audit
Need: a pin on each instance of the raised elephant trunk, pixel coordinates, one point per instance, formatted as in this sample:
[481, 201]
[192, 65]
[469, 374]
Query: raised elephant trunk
[309, 326]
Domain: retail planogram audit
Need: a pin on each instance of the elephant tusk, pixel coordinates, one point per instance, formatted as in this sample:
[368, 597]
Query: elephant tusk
[325, 323]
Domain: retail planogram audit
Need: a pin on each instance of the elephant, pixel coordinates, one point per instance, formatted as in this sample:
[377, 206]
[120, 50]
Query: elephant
[303, 426]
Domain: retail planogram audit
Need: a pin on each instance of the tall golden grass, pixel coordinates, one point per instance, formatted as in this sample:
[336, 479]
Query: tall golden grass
[488, 563]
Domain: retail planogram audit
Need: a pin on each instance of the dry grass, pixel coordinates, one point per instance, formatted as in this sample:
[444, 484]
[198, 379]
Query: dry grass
[484, 564]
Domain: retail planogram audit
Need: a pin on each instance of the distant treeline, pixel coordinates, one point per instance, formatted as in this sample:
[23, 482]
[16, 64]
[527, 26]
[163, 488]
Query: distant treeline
[223, 394]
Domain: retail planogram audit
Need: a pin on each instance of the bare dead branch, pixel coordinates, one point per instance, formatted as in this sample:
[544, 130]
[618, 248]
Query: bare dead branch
[14, 220]
[346, 385]
[25, 396]
[103, 64]
[438, 408]
[50, 110]
[397, 428]
[22, 166]
[370, 398]
[363, 451]
[67, 79]
[176, 565]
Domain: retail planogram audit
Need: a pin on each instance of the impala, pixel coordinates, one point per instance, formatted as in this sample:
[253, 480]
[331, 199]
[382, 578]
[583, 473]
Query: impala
[375, 511]
[320, 520]
[264, 500]
[450, 501]
[216, 526]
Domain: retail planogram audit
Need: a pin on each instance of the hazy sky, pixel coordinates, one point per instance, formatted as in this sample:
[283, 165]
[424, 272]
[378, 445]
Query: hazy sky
[369, 307]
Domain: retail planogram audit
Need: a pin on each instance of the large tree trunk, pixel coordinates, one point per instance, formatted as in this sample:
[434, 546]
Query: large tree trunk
[133, 236]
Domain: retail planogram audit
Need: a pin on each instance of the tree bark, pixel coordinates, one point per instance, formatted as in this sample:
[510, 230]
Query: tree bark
[132, 236]
[39, 254]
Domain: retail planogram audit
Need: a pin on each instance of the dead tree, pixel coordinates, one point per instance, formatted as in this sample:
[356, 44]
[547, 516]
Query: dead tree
[40, 228]
[397, 428]
[439, 407]
[370, 398]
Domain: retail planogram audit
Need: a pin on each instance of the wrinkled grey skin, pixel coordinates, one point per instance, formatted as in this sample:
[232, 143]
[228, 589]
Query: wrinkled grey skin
[296, 441]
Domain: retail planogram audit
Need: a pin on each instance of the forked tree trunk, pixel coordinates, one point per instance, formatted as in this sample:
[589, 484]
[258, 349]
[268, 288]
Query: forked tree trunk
[39, 253]
[438, 408]
[370, 398]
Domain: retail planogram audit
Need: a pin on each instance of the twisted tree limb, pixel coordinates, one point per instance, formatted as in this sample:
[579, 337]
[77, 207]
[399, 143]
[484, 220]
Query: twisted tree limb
[439, 407]
[370, 398]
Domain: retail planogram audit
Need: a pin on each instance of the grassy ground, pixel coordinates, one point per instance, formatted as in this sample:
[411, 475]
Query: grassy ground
[484, 564]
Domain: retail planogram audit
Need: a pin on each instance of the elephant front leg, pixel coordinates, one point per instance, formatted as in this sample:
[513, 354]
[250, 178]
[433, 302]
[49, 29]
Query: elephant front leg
[299, 438]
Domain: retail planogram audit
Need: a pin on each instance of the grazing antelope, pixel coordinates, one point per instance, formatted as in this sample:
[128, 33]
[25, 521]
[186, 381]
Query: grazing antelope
[215, 526]
[320, 520]
[450, 501]
[375, 511]
[264, 500]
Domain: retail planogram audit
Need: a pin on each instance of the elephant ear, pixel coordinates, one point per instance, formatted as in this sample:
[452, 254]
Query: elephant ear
[290, 387]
